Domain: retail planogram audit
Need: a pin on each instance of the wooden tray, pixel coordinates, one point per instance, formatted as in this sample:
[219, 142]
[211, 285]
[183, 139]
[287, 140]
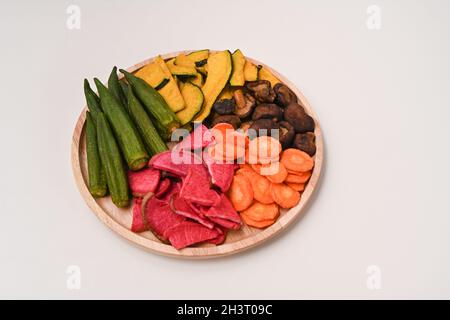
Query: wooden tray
[119, 220]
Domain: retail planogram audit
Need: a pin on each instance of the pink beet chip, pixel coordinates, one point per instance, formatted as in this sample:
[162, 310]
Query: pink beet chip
[220, 237]
[143, 181]
[174, 187]
[225, 223]
[224, 210]
[160, 217]
[138, 224]
[174, 162]
[188, 233]
[181, 207]
[221, 173]
[196, 187]
[199, 138]
[163, 186]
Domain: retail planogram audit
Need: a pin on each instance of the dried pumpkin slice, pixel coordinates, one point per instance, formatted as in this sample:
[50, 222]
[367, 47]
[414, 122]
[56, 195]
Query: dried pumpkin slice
[265, 74]
[181, 69]
[193, 97]
[219, 71]
[153, 75]
[200, 58]
[237, 77]
[197, 80]
[184, 61]
[250, 71]
[170, 92]
[227, 93]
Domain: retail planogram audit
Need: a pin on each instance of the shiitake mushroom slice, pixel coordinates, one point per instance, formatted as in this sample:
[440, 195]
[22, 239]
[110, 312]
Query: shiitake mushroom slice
[263, 127]
[224, 106]
[287, 133]
[245, 104]
[298, 118]
[231, 119]
[305, 142]
[284, 95]
[268, 111]
[261, 90]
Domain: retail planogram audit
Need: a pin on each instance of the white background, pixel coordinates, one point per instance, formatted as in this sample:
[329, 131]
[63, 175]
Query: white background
[382, 98]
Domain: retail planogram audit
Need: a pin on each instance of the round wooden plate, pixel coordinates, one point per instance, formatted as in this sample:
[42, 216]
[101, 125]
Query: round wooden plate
[119, 220]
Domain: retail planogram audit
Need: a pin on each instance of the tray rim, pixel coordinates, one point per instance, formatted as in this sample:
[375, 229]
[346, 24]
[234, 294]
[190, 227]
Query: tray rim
[252, 241]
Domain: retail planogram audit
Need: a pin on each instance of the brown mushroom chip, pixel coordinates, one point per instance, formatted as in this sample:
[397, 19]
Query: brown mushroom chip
[213, 115]
[231, 119]
[261, 90]
[244, 104]
[268, 111]
[224, 106]
[305, 142]
[262, 127]
[287, 133]
[284, 95]
[246, 125]
[298, 118]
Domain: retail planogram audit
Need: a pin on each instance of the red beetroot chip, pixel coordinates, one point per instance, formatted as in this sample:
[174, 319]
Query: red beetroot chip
[175, 187]
[196, 187]
[198, 208]
[225, 223]
[188, 233]
[160, 217]
[220, 237]
[199, 138]
[221, 173]
[137, 224]
[176, 163]
[223, 210]
[143, 181]
[181, 207]
[163, 186]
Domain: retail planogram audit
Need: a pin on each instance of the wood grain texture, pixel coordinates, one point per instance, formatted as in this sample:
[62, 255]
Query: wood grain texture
[119, 220]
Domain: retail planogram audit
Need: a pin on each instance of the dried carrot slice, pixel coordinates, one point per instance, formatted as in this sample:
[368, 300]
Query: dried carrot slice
[221, 130]
[256, 224]
[260, 185]
[264, 148]
[245, 172]
[284, 196]
[245, 166]
[299, 177]
[261, 188]
[279, 177]
[240, 192]
[296, 186]
[239, 139]
[259, 211]
[275, 172]
[256, 159]
[226, 151]
[297, 160]
[224, 133]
